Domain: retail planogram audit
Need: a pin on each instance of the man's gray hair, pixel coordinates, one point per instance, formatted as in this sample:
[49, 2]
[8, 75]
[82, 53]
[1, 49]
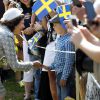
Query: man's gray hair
[97, 6]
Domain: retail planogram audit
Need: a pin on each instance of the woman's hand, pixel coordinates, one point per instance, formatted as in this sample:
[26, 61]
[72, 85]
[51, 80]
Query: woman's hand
[6, 2]
[37, 64]
[11, 5]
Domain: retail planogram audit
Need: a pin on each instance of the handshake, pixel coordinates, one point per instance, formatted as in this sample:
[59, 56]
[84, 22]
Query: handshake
[37, 64]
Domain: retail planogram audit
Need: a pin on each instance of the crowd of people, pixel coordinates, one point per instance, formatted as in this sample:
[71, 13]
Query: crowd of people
[51, 60]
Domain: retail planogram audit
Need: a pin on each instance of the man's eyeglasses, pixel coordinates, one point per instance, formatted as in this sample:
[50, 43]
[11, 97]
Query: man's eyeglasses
[94, 23]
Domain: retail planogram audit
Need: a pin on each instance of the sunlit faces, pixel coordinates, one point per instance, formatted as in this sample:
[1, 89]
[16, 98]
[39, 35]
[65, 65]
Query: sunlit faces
[58, 28]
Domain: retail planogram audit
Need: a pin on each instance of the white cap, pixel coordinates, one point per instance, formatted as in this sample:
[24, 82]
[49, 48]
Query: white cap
[11, 14]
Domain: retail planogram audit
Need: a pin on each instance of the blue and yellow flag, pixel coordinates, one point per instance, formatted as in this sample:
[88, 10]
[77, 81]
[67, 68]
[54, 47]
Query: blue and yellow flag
[64, 12]
[42, 7]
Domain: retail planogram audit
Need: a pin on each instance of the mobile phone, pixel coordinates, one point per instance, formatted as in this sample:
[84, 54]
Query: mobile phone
[72, 19]
[77, 3]
[89, 10]
[74, 22]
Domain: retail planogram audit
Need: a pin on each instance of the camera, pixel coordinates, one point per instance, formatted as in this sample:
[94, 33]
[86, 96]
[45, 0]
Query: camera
[15, 4]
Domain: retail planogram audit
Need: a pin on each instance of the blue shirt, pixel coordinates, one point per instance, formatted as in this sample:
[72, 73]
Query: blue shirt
[63, 62]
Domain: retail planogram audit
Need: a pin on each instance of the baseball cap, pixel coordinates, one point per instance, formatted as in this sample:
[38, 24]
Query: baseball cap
[11, 14]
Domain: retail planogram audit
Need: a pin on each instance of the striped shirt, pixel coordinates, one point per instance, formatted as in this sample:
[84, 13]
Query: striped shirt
[63, 62]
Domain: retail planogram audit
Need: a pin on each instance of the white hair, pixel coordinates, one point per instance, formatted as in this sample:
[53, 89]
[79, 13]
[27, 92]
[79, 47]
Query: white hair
[97, 6]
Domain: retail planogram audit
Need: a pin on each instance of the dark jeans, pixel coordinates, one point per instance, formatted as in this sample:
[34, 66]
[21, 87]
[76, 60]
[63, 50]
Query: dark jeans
[44, 92]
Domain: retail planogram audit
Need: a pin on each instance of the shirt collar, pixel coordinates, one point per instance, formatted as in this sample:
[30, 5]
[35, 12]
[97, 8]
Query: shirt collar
[65, 35]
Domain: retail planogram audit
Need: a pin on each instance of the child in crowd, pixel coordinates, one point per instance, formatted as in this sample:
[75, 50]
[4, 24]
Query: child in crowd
[63, 62]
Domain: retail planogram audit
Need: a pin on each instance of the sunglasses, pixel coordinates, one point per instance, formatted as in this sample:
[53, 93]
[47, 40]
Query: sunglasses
[92, 23]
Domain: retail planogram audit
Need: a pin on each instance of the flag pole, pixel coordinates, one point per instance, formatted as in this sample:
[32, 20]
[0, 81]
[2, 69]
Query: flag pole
[72, 52]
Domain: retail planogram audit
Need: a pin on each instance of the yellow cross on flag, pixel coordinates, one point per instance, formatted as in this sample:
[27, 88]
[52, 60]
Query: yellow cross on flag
[42, 7]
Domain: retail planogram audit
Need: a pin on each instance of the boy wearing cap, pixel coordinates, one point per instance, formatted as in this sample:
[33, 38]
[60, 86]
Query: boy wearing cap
[63, 62]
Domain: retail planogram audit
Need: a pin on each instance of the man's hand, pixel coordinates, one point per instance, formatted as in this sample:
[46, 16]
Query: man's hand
[63, 83]
[37, 64]
[89, 36]
[77, 34]
[37, 26]
[86, 32]
[28, 31]
[79, 12]
[97, 18]
[69, 25]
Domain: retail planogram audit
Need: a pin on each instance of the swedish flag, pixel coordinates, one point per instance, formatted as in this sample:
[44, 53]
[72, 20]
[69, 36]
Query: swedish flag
[42, 7]
[64, 12]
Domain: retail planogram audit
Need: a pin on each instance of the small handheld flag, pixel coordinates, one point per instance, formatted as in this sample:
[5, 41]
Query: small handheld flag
[33, 41]
[64, 12]
[42, 7]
